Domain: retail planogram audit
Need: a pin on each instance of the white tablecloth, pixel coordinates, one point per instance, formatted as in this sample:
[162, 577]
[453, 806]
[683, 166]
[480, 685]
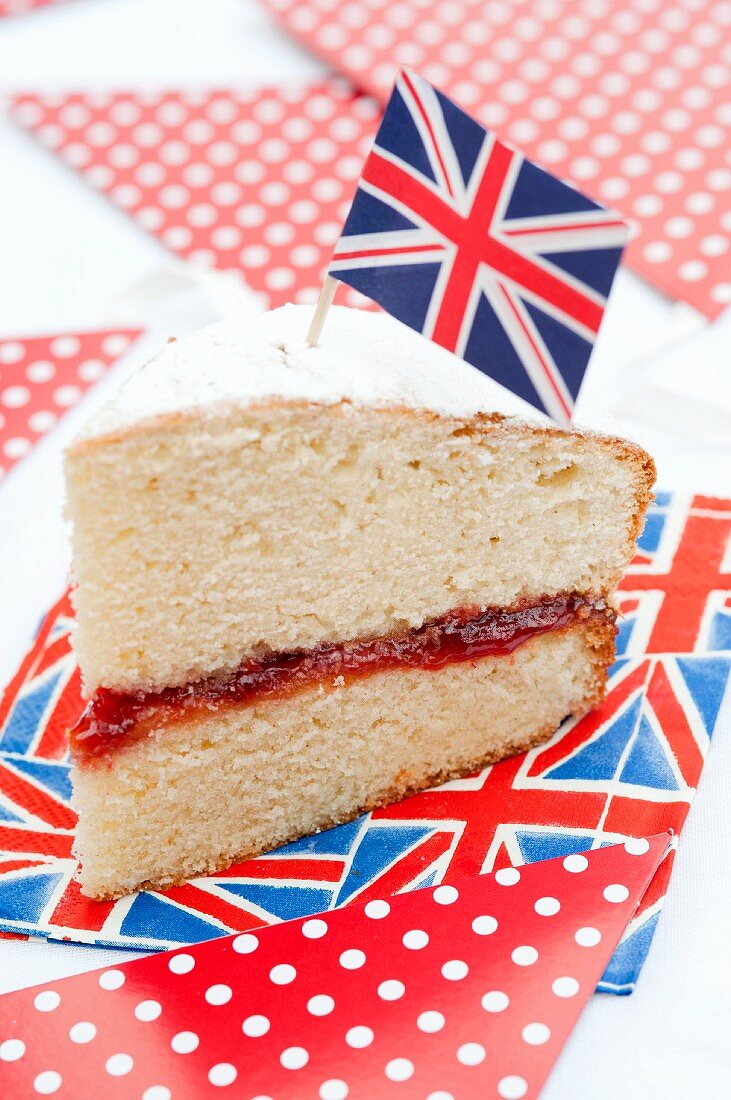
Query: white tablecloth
[70, 260]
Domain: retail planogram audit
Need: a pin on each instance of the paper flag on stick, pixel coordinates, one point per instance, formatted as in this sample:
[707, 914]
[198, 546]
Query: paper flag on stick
[627, 769]
[43, 376]
[464, 991]
[630, 102]
[469, 243]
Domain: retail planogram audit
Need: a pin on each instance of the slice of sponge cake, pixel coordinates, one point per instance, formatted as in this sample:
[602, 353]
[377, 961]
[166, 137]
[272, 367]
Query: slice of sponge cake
[311, 580]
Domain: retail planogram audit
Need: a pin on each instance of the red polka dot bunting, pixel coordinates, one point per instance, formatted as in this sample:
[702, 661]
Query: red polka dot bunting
[18, 7]
[257, 183]
[462, 991]
[628, 101]
[43, 376]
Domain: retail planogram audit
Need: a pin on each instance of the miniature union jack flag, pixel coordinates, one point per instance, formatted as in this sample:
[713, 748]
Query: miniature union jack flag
[462, 238]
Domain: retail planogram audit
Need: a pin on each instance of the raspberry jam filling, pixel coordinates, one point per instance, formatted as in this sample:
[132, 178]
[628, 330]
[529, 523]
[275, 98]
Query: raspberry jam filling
[467, 634]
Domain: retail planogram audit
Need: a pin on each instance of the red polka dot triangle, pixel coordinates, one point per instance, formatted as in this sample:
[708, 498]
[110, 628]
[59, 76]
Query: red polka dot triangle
[43, 376]
[628, 101]
[453, 992]
[256, 183]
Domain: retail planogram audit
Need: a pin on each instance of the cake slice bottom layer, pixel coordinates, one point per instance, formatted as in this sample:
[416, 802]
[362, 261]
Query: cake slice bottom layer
[197, 795]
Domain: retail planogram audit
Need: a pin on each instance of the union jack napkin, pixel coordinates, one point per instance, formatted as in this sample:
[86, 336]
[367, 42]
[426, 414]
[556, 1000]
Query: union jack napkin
[472, 989]
[629, 769]
[466, 241]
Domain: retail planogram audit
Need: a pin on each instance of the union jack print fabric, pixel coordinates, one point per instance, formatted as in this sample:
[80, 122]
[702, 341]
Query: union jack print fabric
[465, 240]
[630, 769]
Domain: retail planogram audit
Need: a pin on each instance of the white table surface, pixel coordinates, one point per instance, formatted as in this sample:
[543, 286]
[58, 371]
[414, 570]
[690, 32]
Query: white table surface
[70, 261]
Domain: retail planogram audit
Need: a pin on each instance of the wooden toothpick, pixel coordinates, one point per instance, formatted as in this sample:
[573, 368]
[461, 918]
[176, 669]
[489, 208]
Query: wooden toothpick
[323, 304]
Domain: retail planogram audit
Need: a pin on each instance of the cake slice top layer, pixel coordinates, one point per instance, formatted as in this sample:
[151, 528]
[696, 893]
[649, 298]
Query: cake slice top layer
[362, 357]
[220, 516]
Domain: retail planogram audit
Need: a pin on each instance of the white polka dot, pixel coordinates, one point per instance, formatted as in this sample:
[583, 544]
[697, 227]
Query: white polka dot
[65, 346]
[303, 211]
[314, 929]
[575, 863]
[40, 371]
[304, 255]
[614, 188]
[616, 893]
[552, 151]
[90, 370]
[415, 939]
[565, 987]
[440, 1094]
[185, 1042]
[201, 215]
[16, 447]
[721, 293]
[282, 974]
[222, 1074]
[257, 255]
[647, 206]
[320, 1005]
[655, 142]
[377, 910]
[692, 271]
[274, 193]
[11, 1050]
[110, 979]
[585, 168]
[667, 183]
[688, 160]
[14, 397]
[219, 994]
[536, 1034]
[225, 237]
[12, 351]
[508, 876]
[48, 1082]
[547, 907]
[399, 1069]
[719, 179]
[334, 1089]
[700, 202]
[47, 1000]
[279, 278]
[445, 895]
[588, 937]
[157, 1092]
[714, 245]
[391, 990]
[512, 1087]
[524, 956]
[679, 227]
[255, 1026]
[484, 925]
[101, 134]
[148, 1010]
[636, 846]
[359, 1037]
[495, 1001]
[471, 1054]
[245, 943]
[294, 1058]
[455, 970]
[66, 396]
[430, 1022]
[118, 1065]
[181, 964]
[352, 959]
